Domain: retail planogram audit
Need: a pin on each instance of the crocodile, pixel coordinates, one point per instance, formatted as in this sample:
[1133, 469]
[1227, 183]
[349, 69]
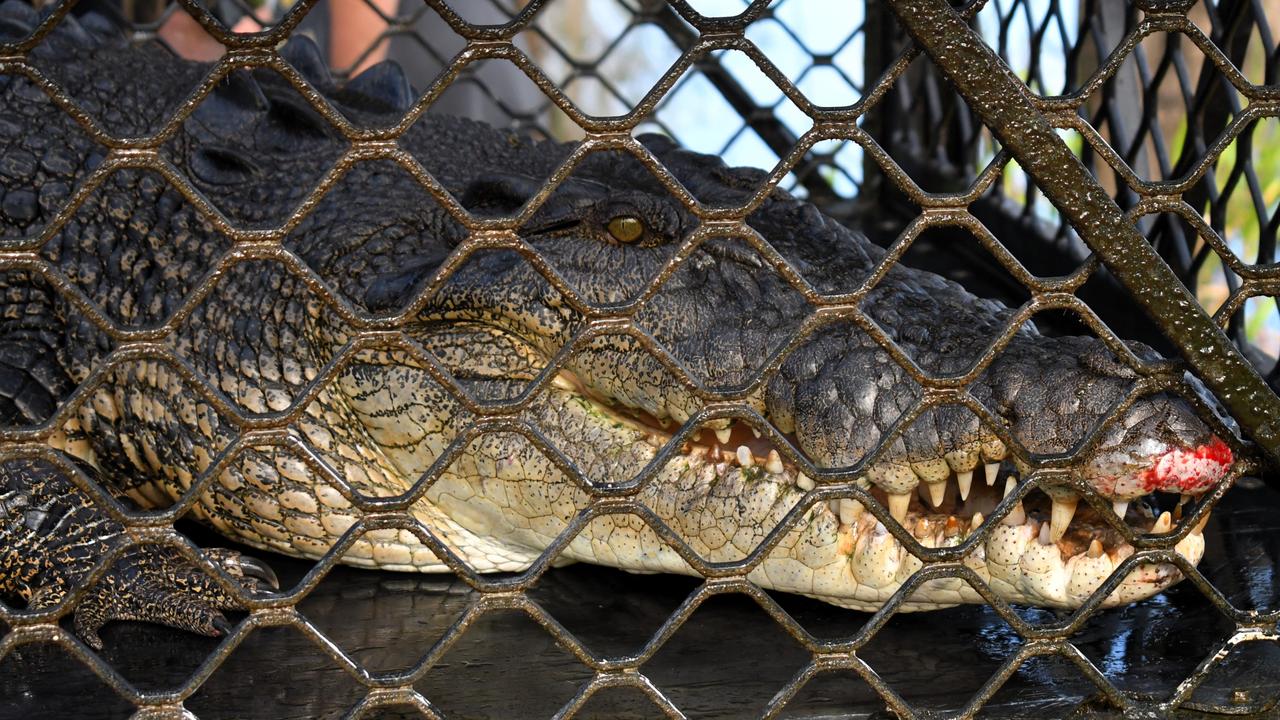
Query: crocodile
[715, 373]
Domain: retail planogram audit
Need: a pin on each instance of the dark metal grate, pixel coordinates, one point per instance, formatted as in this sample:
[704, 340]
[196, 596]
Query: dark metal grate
[925, 155]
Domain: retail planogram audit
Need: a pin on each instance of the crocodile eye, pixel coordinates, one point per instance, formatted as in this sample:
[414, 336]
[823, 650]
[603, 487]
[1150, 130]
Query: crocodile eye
[626, 229]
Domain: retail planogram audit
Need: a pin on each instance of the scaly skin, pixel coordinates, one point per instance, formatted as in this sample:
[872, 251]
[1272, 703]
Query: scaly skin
[136, 246]
[51, 535]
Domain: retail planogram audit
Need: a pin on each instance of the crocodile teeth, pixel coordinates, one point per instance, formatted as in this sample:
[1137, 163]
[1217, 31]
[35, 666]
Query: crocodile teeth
[804, 482]
[774, 463]
[898, 503]
[1046, 534]
[1120, 507]
[1163, 524]
[965, 480]
[952, 527]
[850, 511]
[975, 522]
[1009, 485]
[723, 434]
[755, 431]
[1063, 510]
[937, 491]
[1182, 502]
[745, 458]
[1095, 549]
[922, 528]
[1016, 517]
[993, 471]
[1199, 528]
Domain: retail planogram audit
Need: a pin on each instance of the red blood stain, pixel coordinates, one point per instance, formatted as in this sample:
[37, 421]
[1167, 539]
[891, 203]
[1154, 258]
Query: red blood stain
[1188, 471]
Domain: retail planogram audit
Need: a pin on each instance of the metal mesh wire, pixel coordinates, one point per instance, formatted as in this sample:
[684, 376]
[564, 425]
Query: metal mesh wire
[895, 136]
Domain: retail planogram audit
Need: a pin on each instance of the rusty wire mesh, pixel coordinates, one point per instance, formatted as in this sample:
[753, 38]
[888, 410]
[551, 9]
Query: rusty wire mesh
[904, 141]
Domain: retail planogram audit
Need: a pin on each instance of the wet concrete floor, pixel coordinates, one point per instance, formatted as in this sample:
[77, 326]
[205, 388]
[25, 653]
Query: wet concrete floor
[727, 661]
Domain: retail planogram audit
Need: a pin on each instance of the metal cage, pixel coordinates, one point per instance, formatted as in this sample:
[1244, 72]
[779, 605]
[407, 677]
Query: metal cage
[1073, 158]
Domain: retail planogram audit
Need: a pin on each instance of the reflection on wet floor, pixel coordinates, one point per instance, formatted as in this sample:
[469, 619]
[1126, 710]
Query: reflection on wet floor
[727, 661]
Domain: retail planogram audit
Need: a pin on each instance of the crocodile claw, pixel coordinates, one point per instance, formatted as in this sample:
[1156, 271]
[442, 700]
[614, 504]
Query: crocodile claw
[258, 570]
[253, 575]
[221, 624]
[157, 584]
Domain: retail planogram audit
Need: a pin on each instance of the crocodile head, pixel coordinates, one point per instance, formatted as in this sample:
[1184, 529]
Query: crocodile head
[836, 404]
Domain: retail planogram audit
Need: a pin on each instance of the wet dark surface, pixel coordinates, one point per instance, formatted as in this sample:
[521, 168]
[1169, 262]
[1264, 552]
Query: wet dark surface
[727, 661]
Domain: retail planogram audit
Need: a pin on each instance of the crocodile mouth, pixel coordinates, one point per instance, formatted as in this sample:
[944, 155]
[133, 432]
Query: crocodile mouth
[1050, 549]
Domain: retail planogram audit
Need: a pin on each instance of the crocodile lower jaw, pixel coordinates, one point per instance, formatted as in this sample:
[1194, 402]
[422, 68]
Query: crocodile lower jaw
[843, 554]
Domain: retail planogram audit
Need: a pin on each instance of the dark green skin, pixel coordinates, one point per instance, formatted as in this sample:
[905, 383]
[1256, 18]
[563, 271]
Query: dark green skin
[255, 149]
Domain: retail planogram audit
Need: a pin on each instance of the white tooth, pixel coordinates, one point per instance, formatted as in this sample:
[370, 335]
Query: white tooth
[755, 432]
[804, 482]
[1046, 534]
[976, 521]
[1009, 485]
[1199, 528]
[1182, 502]
[937, 491]
[850, 511]
[965, 480]
[1191, 547]
[834, 506]
[745, 458]
[723, 435]
[898, 503]
[1120, 507]
[1163, 524]
[1095, 549]
[562, 382]
[1016, 517]
[1063, 510]
[774, 463]
[993, 471]
[697, 435]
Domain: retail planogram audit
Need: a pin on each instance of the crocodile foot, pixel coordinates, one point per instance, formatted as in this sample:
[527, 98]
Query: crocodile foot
[157, 584]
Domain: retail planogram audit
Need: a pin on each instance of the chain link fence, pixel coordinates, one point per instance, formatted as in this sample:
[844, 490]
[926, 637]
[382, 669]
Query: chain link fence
[891, 116]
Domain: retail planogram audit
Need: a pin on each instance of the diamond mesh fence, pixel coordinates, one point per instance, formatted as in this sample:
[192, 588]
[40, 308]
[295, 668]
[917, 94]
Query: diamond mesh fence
[942, 131]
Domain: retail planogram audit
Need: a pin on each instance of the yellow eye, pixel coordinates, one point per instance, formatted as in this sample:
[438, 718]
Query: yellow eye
[626, 229]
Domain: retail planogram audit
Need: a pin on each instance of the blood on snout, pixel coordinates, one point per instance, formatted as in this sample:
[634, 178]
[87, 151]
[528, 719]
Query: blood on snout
[1190, 470]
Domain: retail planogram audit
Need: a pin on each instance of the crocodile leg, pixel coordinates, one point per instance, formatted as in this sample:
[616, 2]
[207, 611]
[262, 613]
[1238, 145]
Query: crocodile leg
[52, 536]
[157, 584]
